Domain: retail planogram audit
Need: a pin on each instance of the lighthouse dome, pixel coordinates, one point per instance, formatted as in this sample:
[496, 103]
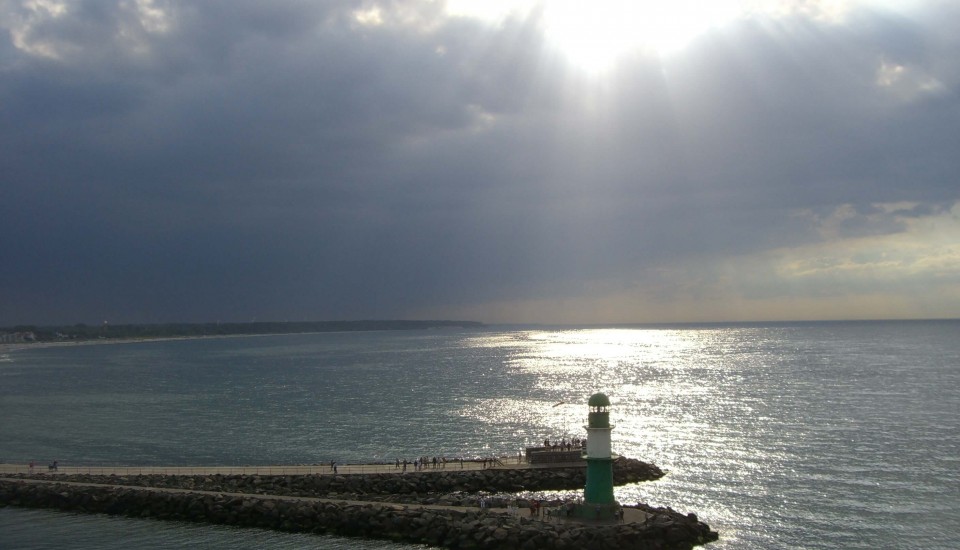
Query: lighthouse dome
[598, 400]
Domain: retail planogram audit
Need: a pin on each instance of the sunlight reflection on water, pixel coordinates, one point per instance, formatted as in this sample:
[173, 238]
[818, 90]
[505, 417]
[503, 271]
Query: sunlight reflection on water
[663, 403]
[814, 435]
[732, 415]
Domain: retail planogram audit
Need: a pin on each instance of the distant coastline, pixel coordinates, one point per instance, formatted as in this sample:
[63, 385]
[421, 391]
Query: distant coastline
[107, 333]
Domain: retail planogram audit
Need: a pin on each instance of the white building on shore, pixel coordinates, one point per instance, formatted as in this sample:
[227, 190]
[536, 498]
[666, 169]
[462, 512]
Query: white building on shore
[17, 337]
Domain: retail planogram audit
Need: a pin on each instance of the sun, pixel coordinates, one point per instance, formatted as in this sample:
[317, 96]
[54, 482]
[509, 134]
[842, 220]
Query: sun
[594, 34]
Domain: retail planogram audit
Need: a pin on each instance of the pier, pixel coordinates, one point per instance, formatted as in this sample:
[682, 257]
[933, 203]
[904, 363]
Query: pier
[285, 469]
[481, 505]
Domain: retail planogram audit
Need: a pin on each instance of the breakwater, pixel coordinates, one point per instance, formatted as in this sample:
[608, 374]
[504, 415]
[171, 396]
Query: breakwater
[448, 486]
[455, 528]
[437, 508]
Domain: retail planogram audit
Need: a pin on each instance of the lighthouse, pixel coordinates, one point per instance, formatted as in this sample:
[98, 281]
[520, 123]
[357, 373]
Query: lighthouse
[598, 494]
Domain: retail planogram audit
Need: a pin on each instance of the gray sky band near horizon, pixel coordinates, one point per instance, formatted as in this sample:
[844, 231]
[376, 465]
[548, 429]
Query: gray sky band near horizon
[505, 162]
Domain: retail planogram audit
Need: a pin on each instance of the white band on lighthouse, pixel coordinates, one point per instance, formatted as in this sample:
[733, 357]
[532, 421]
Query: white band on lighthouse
[598, 442]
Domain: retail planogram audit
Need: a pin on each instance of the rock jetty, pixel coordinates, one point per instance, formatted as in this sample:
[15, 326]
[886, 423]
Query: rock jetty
[438, 508]
[450, 486]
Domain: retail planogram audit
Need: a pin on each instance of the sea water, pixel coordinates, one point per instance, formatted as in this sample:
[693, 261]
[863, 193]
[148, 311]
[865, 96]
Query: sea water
[792, 435]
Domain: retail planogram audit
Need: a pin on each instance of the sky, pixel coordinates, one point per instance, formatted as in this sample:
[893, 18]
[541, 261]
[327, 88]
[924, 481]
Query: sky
[554, 162]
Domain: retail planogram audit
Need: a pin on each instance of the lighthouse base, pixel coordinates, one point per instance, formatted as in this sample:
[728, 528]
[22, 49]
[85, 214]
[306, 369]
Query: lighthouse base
[599, 487]
[607, 513]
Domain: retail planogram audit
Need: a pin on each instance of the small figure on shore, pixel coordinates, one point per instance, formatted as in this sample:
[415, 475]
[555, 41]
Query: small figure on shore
[397, 467]
[32, 464]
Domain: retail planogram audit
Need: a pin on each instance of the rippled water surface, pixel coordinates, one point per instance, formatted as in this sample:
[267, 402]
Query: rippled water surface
[812, 435]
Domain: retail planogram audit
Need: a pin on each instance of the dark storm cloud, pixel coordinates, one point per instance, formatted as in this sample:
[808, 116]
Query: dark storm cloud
[291, 160]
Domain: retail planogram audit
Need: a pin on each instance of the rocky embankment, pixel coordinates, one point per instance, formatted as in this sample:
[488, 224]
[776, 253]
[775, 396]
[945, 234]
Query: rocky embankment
[447, 527]
[435, 507]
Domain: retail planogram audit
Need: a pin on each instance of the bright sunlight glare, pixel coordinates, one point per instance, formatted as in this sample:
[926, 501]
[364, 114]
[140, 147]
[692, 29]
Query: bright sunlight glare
[593, 34]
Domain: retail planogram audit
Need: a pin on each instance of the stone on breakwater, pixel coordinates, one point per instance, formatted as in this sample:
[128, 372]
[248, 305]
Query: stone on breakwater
[452, 528]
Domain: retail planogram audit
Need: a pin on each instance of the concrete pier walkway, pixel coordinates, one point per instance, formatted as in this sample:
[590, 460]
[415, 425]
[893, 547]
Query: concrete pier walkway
[376, 468]
[631, 515]
[42, 474]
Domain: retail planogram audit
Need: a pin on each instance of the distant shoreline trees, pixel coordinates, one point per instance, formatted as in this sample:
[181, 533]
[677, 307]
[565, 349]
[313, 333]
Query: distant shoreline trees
[183, 330]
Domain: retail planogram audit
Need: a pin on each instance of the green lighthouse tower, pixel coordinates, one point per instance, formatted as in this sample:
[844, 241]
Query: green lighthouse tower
[598, 493]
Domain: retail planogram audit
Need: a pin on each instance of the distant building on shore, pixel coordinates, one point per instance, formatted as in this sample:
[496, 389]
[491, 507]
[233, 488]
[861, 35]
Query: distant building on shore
[17, 337]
